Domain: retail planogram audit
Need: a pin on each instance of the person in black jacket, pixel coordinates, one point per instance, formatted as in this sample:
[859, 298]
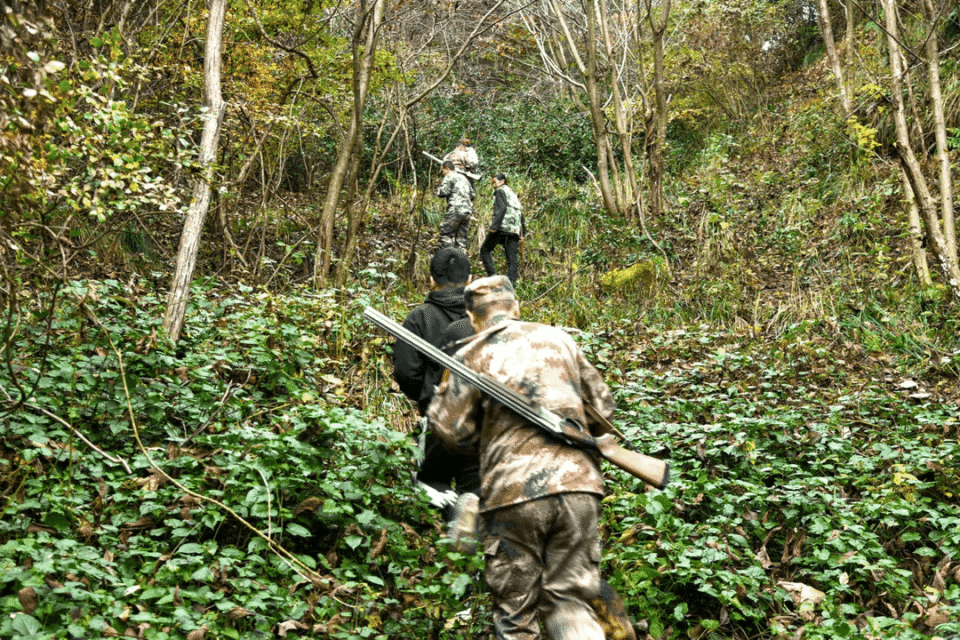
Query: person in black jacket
[441, 468]
[417, 375]
[449, 274]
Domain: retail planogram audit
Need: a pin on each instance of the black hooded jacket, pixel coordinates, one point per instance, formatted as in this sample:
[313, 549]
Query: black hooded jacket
[428, 320]
[441, 467]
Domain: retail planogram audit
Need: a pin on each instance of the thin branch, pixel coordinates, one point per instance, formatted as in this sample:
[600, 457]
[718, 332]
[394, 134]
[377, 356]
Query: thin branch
[77, 434]
[884, 29]
[477, 31]
[223, 399]
[269, 494]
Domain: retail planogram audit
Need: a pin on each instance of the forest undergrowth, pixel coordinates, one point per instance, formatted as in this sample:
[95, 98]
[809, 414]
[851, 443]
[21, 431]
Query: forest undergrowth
[254, 479]
[810, 492]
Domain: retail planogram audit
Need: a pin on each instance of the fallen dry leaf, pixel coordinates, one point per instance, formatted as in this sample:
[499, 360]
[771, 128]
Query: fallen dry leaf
[802, 593]
[28, 599]
[763, 558]
[51, 582]
[407, 529]
[143, 522]
[238, 612]
[36, 528]
[310, 504]
[152, 482]
[936, 616]
[290, 626]
[198, 634]
[86, 529]
[378, 547]
[805, 597]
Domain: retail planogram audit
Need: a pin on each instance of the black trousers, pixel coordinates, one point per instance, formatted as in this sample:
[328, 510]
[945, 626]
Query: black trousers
[511, 247]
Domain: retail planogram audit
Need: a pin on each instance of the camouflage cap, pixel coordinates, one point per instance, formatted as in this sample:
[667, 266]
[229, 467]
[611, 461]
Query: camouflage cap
[465, 142]
[484, 291]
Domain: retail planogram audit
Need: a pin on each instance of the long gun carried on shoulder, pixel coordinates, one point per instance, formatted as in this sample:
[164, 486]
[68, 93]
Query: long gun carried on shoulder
[472, 176]
[651, 470]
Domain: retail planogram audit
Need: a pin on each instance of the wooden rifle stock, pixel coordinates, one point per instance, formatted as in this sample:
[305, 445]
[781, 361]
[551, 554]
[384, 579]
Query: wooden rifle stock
[649, 469]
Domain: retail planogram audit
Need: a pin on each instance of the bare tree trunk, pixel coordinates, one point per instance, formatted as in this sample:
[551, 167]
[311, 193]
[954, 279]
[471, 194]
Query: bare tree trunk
[597, 116]
[624, 183]
[826, 29]
[657, 133]
[918, 254]
[935, 240]
[589, 71]
[850, 14]
[353, 215]
[193, 226]
[356, 215]
[931, 14]
[364, 37]
[588, 49]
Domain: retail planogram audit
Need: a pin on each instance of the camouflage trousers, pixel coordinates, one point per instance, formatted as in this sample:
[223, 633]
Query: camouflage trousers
[454, 229]
[543, 563]
[464, 530]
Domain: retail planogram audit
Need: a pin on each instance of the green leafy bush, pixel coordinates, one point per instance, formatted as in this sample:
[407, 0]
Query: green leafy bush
[515, 137]
[239, 412]
[780, 478]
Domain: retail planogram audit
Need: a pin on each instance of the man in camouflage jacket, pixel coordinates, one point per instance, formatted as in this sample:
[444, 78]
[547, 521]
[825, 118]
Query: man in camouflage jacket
[540, 498]
[464, 156]
[459, 194]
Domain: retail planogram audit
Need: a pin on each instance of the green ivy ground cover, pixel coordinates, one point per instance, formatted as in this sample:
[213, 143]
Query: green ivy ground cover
[804, 496]
[788, 474]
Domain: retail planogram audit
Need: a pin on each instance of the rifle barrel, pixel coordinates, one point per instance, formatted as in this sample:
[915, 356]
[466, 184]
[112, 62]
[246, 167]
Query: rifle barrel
[506, 396]
[649, 469]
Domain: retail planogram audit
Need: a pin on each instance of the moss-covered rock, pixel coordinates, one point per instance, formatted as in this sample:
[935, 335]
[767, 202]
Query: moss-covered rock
[936, 293]
[641, 277]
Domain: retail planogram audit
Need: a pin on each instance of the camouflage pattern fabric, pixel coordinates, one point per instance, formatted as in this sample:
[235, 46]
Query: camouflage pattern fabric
[543, 563]
[540, 498]
[454, 230]
[513, 216]
[464, 530]
[612, 614]
[464, 158]
[518, 462]
[458, 192]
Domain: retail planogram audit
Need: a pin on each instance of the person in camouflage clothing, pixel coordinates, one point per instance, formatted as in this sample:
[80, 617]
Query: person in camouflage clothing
[540, 498]
[507, 227]
[459, 194]
[611, 612]
[464, 156]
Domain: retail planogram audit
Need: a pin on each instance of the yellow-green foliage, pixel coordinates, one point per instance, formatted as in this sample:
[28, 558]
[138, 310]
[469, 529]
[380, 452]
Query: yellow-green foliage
[935, 293]
[866, 137]
[641, 277]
